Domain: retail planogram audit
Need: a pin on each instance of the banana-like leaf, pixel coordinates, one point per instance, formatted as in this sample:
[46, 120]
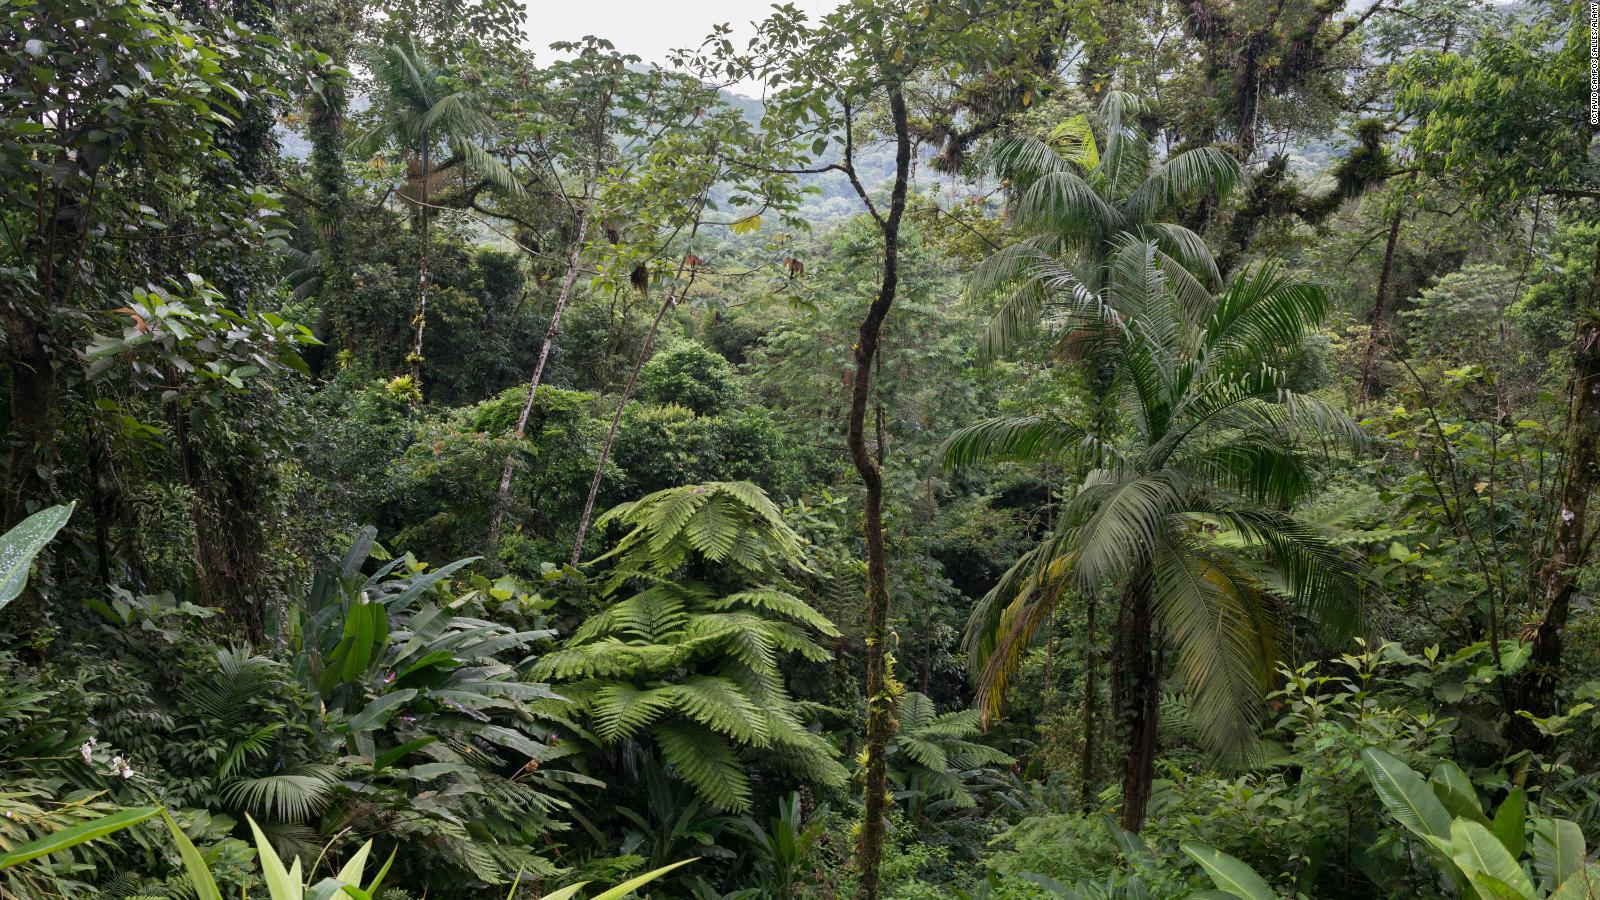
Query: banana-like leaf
[1477, 851]
[1583, 884]
[1558, 849]
[1231, 876]
[1511, 822]
[1406, 795]
[374, 714]
[81, 833]
[21, 544]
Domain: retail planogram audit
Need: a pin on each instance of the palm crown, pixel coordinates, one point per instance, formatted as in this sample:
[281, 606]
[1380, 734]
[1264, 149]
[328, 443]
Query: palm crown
[1185, 508]
[1076, 200]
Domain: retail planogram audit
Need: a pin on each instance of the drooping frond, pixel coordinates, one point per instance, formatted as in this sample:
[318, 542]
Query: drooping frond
[1186, 176]
[1018, 438]
[1225, 633]
[706, 760]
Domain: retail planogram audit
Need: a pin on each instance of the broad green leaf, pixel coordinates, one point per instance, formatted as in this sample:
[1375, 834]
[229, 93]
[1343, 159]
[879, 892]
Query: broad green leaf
[205, 887]
[1511, 822]
[1454, 789]
[1406, 795]
[1489, 887]
[1477, 850]
[1558, 849]
[377, 880]
[1229, 874]
[1583, 884]
[21, 544]
[81, 833]
[374, 714]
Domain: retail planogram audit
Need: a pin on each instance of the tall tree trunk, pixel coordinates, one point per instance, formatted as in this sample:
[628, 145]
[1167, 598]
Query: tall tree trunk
[1091, 691]
[325, 127]
[673, 296]
[421, 320]
[616, 419]
[1380, 302]
[880, 704]
[1137, 698]
[504, 491]
[30, 481]
[1558, 580]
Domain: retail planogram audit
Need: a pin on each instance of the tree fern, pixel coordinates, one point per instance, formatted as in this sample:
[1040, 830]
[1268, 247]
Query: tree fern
[689, 665]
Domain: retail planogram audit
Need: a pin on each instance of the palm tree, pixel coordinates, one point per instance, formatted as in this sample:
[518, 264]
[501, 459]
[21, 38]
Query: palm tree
[421, 111]
[1184, 507]
[1075, 200]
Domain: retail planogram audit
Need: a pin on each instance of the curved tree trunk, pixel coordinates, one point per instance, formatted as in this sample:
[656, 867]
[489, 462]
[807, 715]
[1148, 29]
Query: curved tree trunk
[1379, 303]
[880, 704]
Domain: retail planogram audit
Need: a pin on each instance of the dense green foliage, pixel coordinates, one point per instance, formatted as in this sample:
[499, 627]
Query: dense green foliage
[1084, 449]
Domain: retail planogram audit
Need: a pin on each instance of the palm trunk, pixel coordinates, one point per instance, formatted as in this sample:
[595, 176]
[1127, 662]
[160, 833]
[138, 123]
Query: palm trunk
[1375, 318]
[1138, 698]
[880, 703]
[1558, 579]
[1091, 691]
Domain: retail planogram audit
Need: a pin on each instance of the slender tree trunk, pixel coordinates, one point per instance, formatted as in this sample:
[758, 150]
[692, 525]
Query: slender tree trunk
[1091, 692]
[616, 419]
[1558, 579]
[421, 320]
[30, 482]
[504, 491]
[880, 704]
[633, 377]
[326, 130]
[1138, 698]
[1379, 303]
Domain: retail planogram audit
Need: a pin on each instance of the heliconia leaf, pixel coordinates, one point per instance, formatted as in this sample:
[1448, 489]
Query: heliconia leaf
[21, 544]
[633, 884]
[1558, 849]
[352, 871]
[1406, 795]
[81, 833]
[1511, 822]
[1455, 791]
[1583, 884]
[1477, 850]
[1230, 875]
[374, 714]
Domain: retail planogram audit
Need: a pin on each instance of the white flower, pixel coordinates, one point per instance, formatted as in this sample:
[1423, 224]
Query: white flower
[1568, 515]
[87, 750]
[120, 766]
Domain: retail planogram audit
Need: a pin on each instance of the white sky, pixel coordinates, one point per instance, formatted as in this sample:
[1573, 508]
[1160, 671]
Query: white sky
[650, 29]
